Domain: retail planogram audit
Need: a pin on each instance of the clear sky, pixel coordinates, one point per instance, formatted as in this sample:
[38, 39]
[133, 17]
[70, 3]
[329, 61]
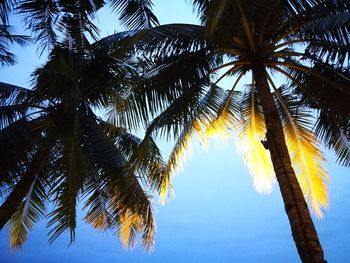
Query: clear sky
[216, 215]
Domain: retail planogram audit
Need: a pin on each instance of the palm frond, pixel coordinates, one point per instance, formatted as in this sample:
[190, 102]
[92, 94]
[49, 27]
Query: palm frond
[307, 158]
[5, 9]
[135, 14]
[127, 196]
[98, 215]
[28, 213]
[227, 115]
[199, 120]
[6, 38]
[119, 184]
[12, 103]
[334, 137]
[160, 86]
[130, 224]
[251, 133]
[166, 40]
[331, 102]
[41, 17]
[71, 167]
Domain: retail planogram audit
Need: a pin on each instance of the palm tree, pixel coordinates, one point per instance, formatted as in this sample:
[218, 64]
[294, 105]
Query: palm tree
[57, 148]
[308, 43]
[48, 19]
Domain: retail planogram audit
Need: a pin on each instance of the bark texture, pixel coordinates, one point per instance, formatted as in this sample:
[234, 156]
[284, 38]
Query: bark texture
[303, 230]
[8, 208]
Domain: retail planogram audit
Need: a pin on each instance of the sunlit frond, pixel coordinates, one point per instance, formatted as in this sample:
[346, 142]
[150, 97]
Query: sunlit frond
[196, 125]
[307, 158]
[249, 142]
[115, 187]
[130, 224]
[226, 117]
[177, 158]
[98, 215]
[129, 201]
[327, 96]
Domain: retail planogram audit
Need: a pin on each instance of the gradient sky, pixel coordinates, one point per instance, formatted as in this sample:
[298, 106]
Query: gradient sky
[216, 215]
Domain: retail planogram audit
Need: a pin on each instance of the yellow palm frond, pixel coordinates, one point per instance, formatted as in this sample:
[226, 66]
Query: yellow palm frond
[98, 216]
[220, 128]
[178, 156]
[226, 120]
[307, 159]
[308, 163]
[252, 130]
[99, 222]
[130, 223]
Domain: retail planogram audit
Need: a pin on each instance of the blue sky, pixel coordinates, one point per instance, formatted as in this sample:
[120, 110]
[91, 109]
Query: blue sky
[216, 215]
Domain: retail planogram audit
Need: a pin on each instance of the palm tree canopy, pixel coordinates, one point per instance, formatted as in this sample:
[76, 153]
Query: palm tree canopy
[306, 43]
[81, 156]
[52, 20]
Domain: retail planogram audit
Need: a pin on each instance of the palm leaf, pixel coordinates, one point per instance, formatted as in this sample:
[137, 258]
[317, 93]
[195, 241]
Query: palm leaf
[6, 38]
[307, 158]
[196, 124]
[98, 215]
[135, 14]
[250, 134]
[71, 167]
[118, 184]
[41, 18]
[28, 213]
[334, 137]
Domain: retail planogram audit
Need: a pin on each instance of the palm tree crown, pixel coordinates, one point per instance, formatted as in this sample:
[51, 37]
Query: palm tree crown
[305, 42]
[58, 149]
[69, 152]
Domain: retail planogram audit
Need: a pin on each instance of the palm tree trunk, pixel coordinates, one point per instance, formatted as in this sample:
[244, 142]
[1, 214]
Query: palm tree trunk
[8, 208]
[303, 230]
